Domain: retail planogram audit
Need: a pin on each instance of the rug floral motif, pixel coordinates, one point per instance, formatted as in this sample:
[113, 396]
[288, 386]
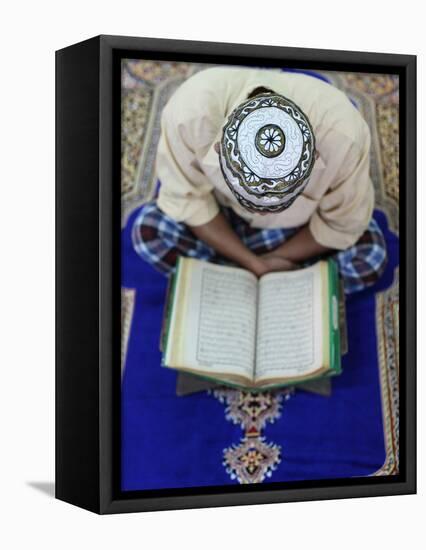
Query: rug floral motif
[387, 322]
[253, 459]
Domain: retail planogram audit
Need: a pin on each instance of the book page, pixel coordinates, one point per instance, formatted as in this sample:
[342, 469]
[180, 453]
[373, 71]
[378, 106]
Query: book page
[220, 319]
[289, 331]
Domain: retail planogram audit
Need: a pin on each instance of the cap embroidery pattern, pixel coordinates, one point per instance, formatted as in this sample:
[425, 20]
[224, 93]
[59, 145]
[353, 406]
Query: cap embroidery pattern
[267, 152]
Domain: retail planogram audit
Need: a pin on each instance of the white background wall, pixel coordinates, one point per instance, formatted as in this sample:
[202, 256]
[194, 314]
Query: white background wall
[29, 34]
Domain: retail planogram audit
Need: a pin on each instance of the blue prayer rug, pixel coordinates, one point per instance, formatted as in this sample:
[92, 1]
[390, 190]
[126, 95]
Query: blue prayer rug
[227, 436]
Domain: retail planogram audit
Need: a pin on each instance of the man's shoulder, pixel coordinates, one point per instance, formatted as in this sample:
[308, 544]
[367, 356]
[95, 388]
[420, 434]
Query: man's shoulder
[200, 105]
[328, 107]
[215, 77]
[205, 87]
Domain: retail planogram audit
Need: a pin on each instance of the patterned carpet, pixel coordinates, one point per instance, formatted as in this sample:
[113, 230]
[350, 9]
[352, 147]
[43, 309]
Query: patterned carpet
[146, 86]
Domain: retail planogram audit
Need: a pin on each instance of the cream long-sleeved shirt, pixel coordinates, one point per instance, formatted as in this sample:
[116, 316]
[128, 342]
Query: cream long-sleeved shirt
[338, 201]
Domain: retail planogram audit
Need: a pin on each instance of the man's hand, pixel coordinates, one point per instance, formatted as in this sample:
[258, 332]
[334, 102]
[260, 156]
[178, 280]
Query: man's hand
[269, 262]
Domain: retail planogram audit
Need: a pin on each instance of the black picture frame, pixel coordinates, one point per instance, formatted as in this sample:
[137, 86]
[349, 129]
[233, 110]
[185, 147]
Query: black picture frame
[88, 273]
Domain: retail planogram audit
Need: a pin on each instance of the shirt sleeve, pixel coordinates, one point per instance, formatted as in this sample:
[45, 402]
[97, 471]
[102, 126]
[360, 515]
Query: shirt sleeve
[185, 191]
[345, 210]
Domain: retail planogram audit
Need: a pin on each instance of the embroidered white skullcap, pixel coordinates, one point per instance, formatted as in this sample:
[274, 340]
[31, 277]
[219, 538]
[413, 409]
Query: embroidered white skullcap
[267, 152]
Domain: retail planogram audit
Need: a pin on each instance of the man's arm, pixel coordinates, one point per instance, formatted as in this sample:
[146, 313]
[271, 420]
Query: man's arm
[218, 234]
[300, 247]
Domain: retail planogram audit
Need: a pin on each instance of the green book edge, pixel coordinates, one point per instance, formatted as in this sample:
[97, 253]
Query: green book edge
[170, 297]
[335, 348]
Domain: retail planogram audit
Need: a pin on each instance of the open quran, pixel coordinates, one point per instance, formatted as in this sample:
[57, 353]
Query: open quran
[225, 324]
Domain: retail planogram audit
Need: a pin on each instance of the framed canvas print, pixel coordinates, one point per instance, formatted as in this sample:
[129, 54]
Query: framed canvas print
[235, 274]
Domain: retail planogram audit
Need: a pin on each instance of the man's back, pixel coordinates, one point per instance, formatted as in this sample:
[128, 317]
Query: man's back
[192, 184]
[207, 98]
